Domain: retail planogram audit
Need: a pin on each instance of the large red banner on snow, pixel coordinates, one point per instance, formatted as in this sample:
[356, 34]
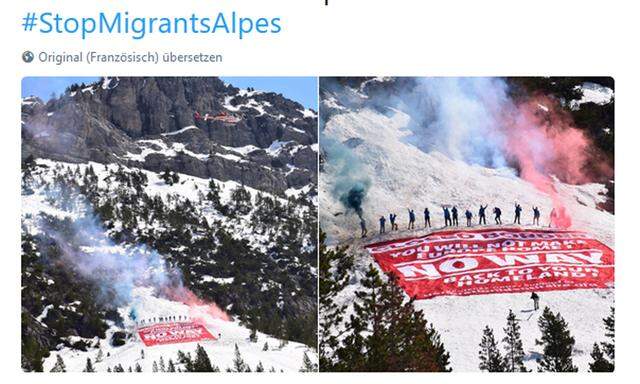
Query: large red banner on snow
[477, 262]
[171, 333]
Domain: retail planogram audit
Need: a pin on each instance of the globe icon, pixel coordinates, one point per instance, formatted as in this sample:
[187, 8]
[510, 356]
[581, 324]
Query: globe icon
[27, 56]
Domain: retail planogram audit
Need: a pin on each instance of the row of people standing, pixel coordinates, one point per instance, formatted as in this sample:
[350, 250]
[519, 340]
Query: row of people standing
[451, 217]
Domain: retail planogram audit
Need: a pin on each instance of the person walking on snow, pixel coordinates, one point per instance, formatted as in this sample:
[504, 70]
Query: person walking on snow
[363, 228]
[518, 211]
[482, 215]
[447, 216]
[535, 299]
[382, 221]
[468, 215]
[412, 219]
[536, 216]
[392, 220]
[454, 215]
[497, 212]
[427, 218]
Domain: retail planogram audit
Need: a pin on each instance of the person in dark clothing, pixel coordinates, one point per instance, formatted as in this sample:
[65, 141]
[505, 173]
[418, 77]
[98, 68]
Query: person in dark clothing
[497, 212]
[363, 228]
[447, 216]
[482, 215]
[392, 220]
[382, 221]
[536, 216]
[468, 215]
[427, 218]
[535, 299]
[412, 219]
[518, 211]
[454, 215]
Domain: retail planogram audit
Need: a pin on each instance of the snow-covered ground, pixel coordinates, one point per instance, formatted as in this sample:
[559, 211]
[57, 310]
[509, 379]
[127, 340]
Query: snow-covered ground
[287, 357]
[189, 187]
[403, 176]
[281, 354]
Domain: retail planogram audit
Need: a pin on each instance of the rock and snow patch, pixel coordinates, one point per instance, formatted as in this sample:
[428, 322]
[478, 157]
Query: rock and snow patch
[592, 93]
[187, 128]
[161, 147]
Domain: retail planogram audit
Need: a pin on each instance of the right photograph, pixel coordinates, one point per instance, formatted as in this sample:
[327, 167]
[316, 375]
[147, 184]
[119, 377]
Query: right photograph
[466, 224]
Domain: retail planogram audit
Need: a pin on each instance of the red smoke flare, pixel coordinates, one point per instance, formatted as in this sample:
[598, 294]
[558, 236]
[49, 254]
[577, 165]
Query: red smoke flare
[198, 308]
[541, 138]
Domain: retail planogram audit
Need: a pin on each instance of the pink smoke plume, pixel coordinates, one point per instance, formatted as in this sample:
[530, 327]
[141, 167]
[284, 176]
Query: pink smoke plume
[198, 308]
[541, 138]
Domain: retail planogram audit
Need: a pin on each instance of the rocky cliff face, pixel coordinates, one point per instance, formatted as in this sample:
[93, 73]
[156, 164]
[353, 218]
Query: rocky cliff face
[268, 142]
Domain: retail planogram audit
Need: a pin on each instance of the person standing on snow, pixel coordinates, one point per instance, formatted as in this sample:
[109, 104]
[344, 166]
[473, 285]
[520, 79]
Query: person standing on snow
[497, 212]
[392, 220]
[427, 218]
[382, 221]
[518, 211]
[412, 219]
[468, 215]
[482, 215]
[447, 216]
[535, 299]
[363, 228]
[536, 216]
[454, 215]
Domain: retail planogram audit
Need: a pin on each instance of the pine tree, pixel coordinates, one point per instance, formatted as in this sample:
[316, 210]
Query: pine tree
[59, 366]
[89, 366]
[604, 357]
[170, 366]
[610, 326]
[490, 358]
[238, 363]
[265, 347]
[307, 364]
[334, 267]
[99, 356]
[185, 359]
[260, 367]
[214, 196]
[600, 362]
[154, 367]
[514, 356]
[557, 344]
[169, 177]
[163, 368]
[138, 368]
[385, 333]
[202, 362]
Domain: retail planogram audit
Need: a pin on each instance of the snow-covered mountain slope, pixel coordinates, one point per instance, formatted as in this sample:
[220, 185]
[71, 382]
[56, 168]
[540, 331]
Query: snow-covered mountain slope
[128, 237]
[401, 175]
[279, 356]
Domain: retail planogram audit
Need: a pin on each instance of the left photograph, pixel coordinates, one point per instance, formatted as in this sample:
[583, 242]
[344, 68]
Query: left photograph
[169, 224]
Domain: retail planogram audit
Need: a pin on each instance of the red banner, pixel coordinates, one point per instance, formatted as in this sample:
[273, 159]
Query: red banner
[171, 333]
[477, 262]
